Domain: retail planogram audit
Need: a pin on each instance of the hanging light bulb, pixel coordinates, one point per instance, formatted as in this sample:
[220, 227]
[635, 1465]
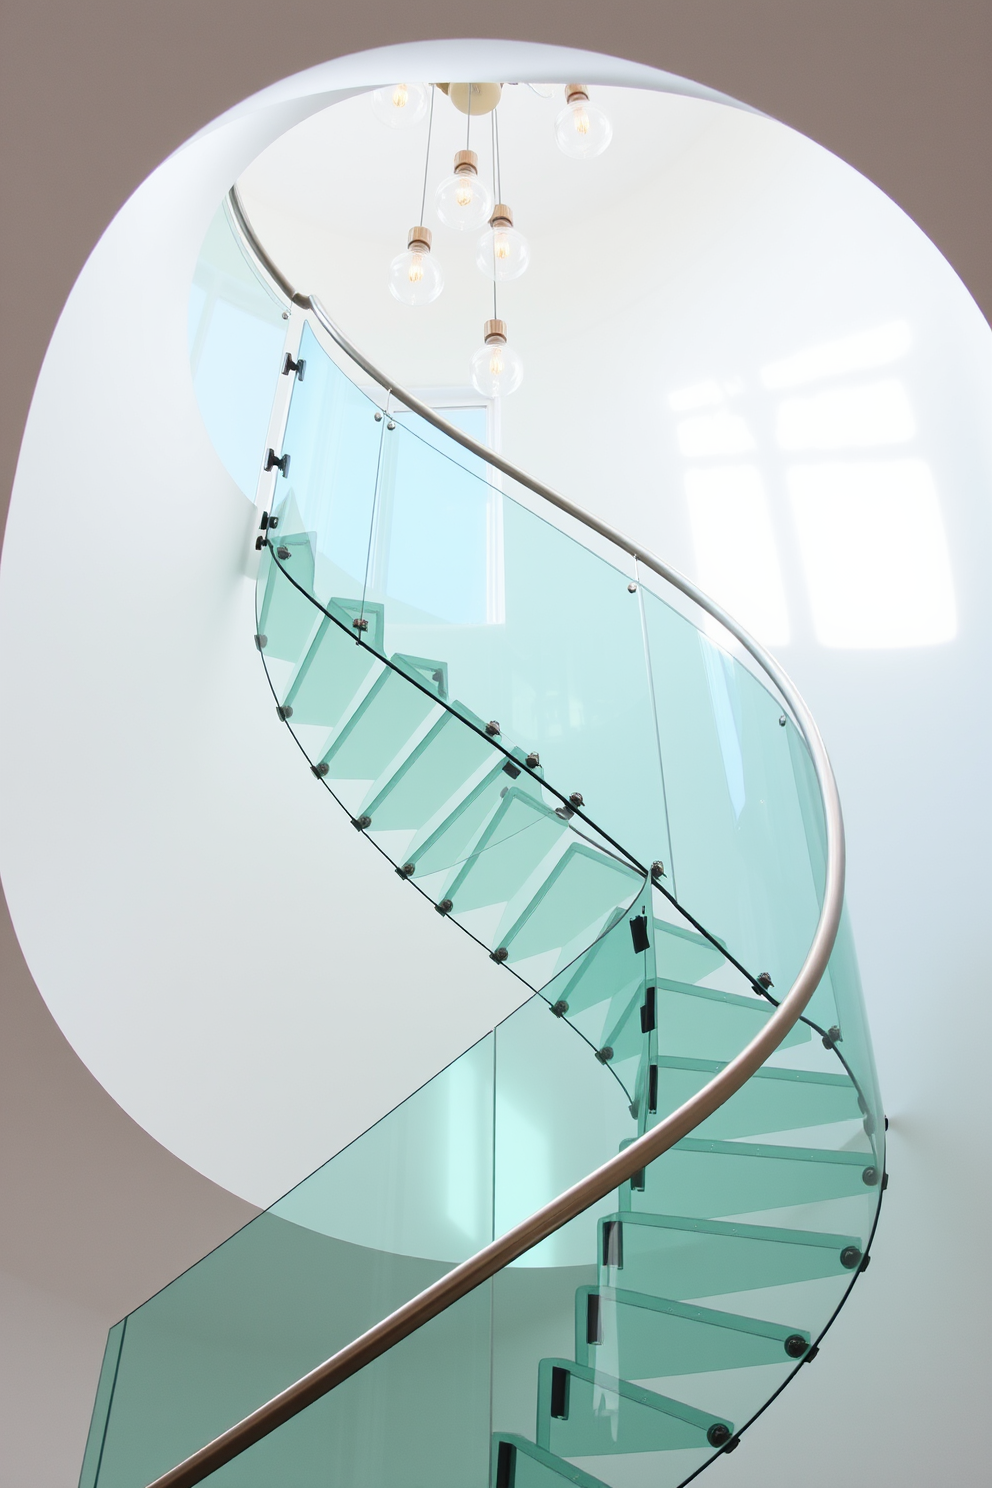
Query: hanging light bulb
[463, 201]
[414, 276]
[400, 104]
[581, 129]
[496, 368]
[502, 253]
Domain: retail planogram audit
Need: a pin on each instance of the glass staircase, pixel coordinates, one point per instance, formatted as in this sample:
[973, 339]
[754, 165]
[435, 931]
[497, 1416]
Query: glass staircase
[576, 769]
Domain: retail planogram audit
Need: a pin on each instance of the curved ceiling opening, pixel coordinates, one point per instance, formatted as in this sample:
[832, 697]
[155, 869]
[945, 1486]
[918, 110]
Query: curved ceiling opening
[725, 332]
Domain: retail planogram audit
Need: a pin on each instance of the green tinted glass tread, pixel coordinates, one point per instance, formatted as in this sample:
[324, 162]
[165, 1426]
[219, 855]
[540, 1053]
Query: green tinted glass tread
[708, 1178]
[683, 953]
[93, 1454]
[328, 677]
[581, 892]
[385, 720]
[431, 776]
[606, 1415]
[773, 1100]
[703, 1023]
[530, 1466]
[681, 1257]
[522, 832]
[644, 1336]
[449, 844]
[286, 618]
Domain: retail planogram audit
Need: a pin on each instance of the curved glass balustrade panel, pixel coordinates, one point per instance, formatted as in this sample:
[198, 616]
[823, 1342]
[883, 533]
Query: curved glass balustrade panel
[499, 1132]
[236, 330]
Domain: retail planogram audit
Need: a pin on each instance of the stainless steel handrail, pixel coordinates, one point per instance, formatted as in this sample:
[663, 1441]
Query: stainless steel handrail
[596, 1185]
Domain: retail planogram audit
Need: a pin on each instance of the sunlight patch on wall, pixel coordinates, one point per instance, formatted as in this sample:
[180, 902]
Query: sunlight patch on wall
[847, 417]
[874, 348]
[875, 553]
[736, 554]
[714, 434]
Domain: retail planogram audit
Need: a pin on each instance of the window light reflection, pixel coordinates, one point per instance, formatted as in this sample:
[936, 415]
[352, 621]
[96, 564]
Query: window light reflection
[714, 434]
[875, 553]
[736, 555]
[700, 395]
[874, 413]
[873, 348]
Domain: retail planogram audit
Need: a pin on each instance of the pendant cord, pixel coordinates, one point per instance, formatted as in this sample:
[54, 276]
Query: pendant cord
[427, 157]
[497, 163]
[496, 195]
[468, 121]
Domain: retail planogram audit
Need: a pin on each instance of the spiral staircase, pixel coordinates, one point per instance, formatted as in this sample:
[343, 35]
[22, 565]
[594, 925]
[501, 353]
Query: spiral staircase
[595, 1247]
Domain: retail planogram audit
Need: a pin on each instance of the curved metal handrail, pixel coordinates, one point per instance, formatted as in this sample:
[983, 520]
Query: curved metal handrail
[465, 1277]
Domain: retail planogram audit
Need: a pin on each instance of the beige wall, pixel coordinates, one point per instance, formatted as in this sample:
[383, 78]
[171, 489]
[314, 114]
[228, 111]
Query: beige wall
[93, 1214]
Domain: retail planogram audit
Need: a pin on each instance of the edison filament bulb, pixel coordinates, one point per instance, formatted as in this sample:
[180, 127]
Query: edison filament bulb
[463, 201]
[415, 278]
[496, 368]
[502, 252]
[400, 104]
[581, 129]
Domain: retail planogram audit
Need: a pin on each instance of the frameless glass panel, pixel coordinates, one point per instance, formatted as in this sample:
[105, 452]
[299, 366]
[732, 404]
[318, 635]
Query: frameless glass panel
[537, 633]
[236, 331]
[333, 440]
[740, 855]
[371, 1228]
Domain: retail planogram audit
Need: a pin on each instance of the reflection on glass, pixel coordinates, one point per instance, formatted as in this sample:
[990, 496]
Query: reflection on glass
[876, 413]
[875, 553]
[873, 348]
[736, 554]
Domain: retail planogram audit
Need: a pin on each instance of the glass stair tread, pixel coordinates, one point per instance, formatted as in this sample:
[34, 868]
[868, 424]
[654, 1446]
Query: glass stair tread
[684, 954]
[706, 1023]
[773, 1100]
[705, 1178]
[437, 770]
[386, 720]
[519, 836]
[286, 617]
[640, 1335]
[519, 1463]
[572, 905]
[682, 1257]
[586, 1412]
[448, 844]
[333, 669]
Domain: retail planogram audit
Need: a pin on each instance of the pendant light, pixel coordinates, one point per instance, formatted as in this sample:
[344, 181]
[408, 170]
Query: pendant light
[463, 200]
[502, 252]
[415, 277]
[582, 130]
[496, 368]
[400, 105]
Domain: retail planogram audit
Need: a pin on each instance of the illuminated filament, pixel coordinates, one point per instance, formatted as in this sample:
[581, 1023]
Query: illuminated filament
[401, 96]
[581, 121]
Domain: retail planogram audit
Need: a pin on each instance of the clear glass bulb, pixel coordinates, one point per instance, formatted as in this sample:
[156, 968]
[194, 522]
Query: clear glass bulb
[401, 104]
[582, 130]
[414, 277]
[496, 370]
[463, 201]
[502, 253]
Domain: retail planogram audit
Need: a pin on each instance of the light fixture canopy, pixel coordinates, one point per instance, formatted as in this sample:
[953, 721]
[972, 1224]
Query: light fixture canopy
[473, 98]
[581, 129]
[502, 252]
[496, 368]
[463, 200]
[401, 104]
[415, 277]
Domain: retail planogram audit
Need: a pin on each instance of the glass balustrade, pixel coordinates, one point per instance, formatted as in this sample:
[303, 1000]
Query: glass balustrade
[583, 776]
